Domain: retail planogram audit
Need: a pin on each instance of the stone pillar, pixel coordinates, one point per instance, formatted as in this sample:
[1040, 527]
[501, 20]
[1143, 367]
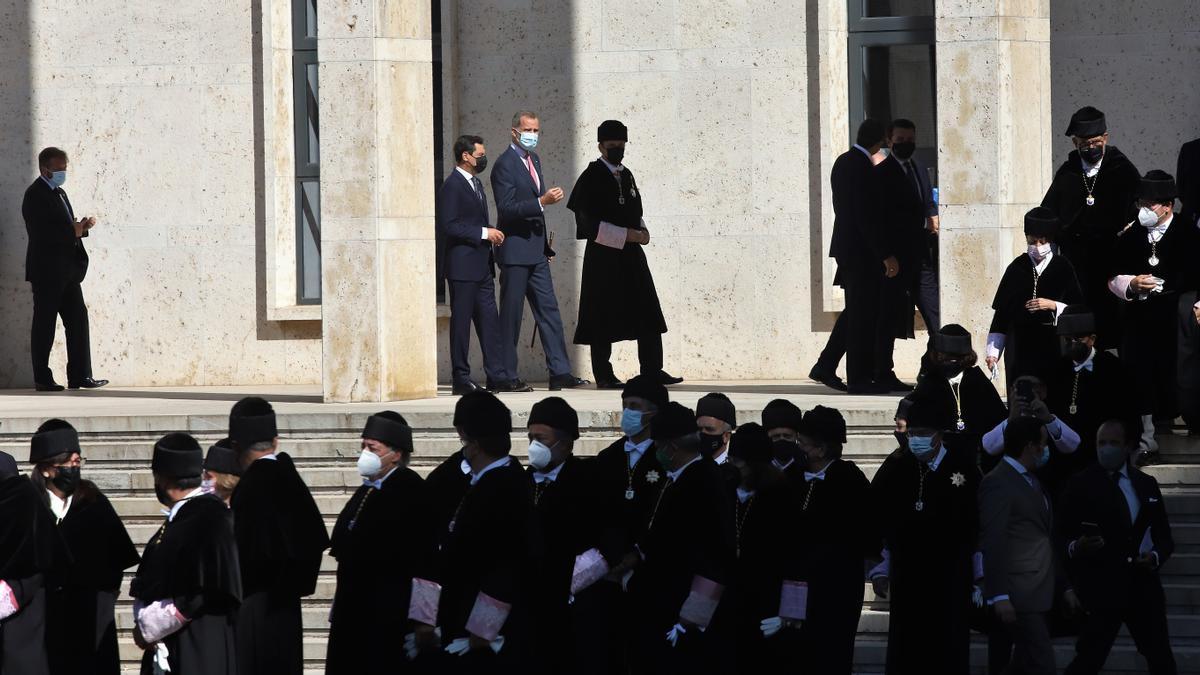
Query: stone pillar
[377, 202]
[994, 137]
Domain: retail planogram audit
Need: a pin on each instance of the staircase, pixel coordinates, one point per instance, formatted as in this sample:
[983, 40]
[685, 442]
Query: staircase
[326, 446]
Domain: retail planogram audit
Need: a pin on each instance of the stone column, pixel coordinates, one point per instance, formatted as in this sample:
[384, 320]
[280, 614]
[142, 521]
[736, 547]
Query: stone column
[994, 137]
[377, 202]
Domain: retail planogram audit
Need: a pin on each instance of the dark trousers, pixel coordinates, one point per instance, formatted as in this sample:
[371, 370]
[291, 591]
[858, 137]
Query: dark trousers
[650, 357]
[1188, 361]
[1145, 616]
[1023, 648]
[927, 295]
[859, 332]
[475, 302]
[52, 299]
[534, 283]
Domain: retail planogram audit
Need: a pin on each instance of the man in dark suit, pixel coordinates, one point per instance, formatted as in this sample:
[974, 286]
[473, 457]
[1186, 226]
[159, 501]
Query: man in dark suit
[863, 262]
[1113, 528]
[55, 265]
[1187, 177]
[464, 225]
[921, 274]
[521, 197]
[1018, 556]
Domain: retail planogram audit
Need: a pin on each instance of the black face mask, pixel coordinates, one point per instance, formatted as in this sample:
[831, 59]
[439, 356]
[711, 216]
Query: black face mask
[614, 155]
[710, 444]
[904, 150]
[1078, 351]
[67, 479]
[1092, 154]
[951, 368]
[480, 164]
[160, 493]
[784, 450]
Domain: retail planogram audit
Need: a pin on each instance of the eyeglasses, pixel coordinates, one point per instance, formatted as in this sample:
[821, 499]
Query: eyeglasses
[80, 462]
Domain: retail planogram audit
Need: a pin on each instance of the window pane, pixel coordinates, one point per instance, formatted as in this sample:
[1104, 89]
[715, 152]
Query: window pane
[312, 113]
[310, 12]
[898, 81]
[874, 8]
[308, 254]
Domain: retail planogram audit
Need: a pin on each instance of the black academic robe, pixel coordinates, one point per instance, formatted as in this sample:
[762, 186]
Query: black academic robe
[617, 299]
[829, 518]
[1149, 339]
[1089, 232]
[690, 534]
[193, 561]
[377, 530]
[488, 548]
[982, 407]
[82, 600]
[1101, 394]
[31, 549]
[281, 538]
[931, 552]
[1031, 341]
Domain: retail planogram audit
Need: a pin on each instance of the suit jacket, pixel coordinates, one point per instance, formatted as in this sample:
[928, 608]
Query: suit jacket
[1015, 527]
[518, 214]
[461, 219]
[54, 252]
[1103, 578]
[1187, 179]
[855, 243]
[900, 210]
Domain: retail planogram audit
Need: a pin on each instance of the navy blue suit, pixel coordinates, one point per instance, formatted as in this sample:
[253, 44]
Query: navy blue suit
[462, 215]
[925, 291]
[524, 270]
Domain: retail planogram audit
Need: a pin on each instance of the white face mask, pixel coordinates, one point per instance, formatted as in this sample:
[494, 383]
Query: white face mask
[1147, 217]
[369, 464]
[208, 486]
[539, 455]
[1039, 251]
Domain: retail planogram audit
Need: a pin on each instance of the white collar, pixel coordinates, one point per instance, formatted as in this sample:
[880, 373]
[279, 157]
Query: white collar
[1087, 363]
[612, 168]
[1090, 170]
[271, 457]
[863, 150]
[521, 152]
[744, 495]
[1040, 266]
[465, 174]
[723, 457]
[58, 505]
[1159, 229]
[674, 475]
[1019, 467]
[503, 461]
[933, 466]
[630, 446]
[957, 379]
[179, 504]
[551, 475]
[466, 467]
[781, 467]
[378, 484]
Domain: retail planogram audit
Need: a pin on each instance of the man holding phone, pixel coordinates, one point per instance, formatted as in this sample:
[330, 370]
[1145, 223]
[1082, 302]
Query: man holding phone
[1114, 531]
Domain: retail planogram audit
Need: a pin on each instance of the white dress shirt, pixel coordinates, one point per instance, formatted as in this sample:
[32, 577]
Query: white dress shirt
[378, 484]
[471, 180]
[744, 495]
[1087, 363]
[59, 506]
[674, 475]
[549, 476]
[179, 504]
[503, 461]
[634, 451]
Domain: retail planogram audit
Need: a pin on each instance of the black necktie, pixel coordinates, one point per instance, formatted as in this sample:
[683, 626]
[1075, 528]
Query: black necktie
[63, 197]
[478, 190]
[912, 177]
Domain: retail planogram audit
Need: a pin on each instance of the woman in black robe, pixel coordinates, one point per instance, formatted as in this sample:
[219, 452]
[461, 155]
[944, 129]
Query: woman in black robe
[81, 633]
[1036, 288]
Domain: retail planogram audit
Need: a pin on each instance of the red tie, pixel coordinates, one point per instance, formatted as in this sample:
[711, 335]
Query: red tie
[532, 172]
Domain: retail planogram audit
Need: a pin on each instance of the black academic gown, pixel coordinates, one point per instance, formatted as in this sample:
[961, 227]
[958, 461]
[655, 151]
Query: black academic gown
[281, 538]
[489, 547]
[617, 299]
[193, 561]
[82, 600]
[1031, 341]
[982, 407]
[830, 517]
[1089, 232]
[690, 534]
[931, 551]
[31, 550]
[378, 541]
[1149, 340]
[1098, 395]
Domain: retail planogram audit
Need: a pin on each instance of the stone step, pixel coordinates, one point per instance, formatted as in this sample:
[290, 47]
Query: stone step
[875, 621]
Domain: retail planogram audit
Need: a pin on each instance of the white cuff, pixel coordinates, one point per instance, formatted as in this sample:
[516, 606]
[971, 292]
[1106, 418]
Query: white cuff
[1055, 429]
[1119, 285]
[8, 601]
[884, 567]
[158, 620]
[993, 441]
[611, 235]
[995, 344]
[998, 598]
[484, 235]
[1059, 308]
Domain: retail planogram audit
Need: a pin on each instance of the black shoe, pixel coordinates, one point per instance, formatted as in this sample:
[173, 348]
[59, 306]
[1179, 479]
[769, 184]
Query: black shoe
[609, 383]
[87, 383]
[48, 386]
[512, 386]
[868, 389]
[894, 384]
[463, 388]
[830, 380]
[568, 381]
[666, 379]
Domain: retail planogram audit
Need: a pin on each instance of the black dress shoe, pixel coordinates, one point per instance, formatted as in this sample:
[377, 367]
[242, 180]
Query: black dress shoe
[830, 380]
[568, 381]
[666, 379]
[48, 386]
[895, 385]
[463, 388]
[87, 383]
[609, 383]
[868, 389]
[512, 386]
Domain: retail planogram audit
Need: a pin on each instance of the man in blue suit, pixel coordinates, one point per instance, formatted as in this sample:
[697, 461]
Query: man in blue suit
[521, 198]
[463, 224]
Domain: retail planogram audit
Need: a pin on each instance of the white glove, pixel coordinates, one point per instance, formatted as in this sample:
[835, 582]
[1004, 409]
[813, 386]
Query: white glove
[675, 633]
[977, 597]
[161, 654]
[410, 644]
[770, 626]
[461, 646]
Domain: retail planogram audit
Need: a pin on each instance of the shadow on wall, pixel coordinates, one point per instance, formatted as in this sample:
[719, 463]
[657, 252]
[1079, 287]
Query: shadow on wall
[821, 321]
[16, 172]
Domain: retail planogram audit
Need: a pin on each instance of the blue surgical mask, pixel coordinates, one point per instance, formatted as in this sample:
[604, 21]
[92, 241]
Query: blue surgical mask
[57, 178]
[632, 422]
[1045, 458]
[921, 446]
[528, 140]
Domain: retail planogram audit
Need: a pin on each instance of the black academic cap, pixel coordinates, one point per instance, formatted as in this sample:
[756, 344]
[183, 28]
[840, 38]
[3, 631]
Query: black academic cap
[825, 424]
[1087, 122]
[223, 458]
[1157, 186]
[252, 420]
[481, 415]
[1076, 320]
[649, 388]
[928, 414]
[557, 414]
[60, 437]
[1041, 222]
[951, 339]
[719, 406]
[612, 130]
[177, 455]
[8, 466]
[751, 443]
[782, 414]
[673, 421]
[391, 429]
[902, 408]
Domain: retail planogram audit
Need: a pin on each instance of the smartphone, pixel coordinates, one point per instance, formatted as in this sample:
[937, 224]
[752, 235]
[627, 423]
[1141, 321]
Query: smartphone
[1024, 390]
[1090, 529]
